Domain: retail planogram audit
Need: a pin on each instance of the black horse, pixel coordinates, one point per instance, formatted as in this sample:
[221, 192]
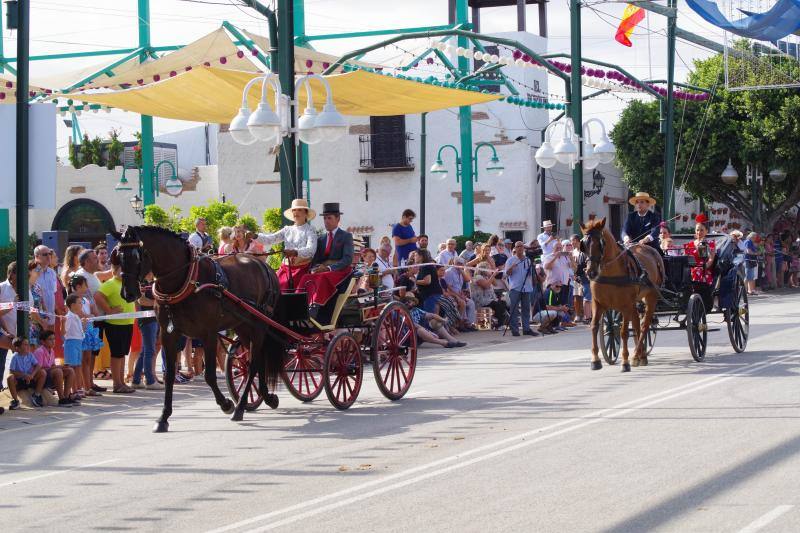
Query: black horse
[189, 302]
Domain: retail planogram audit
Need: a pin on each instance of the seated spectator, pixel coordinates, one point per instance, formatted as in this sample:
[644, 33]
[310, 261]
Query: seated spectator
[368, 257]
[666, 243]
[422, 242]
[456, 286]
[60, 378]
[482, 255]
[481, 290]
[225, 235]
[547, 316]
[429, 290]
[430, 327]
[448, 307]
[384, 260]
[25, 374]
[447, 255]
[468, 253]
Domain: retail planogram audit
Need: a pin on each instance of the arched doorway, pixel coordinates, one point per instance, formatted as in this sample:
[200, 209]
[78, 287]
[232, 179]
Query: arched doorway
[85, 220]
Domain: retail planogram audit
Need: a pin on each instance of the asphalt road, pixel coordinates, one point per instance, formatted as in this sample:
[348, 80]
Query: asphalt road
[505, 435]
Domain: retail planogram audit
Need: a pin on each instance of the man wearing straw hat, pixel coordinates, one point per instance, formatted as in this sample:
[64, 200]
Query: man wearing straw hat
[547, 239]
[643, 224]
[300, 243]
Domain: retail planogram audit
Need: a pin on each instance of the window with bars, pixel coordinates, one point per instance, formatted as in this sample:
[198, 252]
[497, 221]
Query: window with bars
[387, 146]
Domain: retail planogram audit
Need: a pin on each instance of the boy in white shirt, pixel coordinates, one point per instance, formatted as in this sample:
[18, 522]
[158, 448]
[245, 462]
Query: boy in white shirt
[73, 333]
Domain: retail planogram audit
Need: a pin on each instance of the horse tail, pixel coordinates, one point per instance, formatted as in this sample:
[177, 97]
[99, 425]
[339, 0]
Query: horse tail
[274, 352]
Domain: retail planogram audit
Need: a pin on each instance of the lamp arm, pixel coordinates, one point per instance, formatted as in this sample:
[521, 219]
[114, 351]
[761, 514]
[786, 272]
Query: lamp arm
[475, 155]
[247, 90]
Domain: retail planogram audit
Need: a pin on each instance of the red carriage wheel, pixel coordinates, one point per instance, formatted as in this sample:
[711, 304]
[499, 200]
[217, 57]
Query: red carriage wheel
[394, 351]
[237, 370]
[344, 370]
[302, 371]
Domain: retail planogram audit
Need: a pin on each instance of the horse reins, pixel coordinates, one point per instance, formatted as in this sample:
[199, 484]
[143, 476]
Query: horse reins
[189, 284]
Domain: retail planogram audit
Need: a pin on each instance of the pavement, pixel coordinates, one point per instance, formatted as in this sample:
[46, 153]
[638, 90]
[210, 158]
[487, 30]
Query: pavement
[508, 434]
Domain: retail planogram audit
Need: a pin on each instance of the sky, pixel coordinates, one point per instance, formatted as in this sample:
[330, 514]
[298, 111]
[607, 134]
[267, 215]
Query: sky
[80, 25]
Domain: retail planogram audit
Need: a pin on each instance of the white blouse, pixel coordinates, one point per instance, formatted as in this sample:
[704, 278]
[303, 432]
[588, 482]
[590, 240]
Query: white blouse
[303, 239]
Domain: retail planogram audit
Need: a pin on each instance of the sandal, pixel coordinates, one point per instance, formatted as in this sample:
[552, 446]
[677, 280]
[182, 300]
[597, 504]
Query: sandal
[102, 374]
[123, 390]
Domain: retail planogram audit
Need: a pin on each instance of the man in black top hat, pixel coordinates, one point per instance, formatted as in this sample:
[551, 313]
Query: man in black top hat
[332, 262]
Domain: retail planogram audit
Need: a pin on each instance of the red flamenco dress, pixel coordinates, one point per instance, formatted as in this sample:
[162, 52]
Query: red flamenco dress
[701, 273]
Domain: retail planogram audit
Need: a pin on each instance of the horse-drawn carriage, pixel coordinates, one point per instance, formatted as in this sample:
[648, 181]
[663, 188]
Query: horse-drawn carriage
[330, 351]
[684, 305]
[273, 335]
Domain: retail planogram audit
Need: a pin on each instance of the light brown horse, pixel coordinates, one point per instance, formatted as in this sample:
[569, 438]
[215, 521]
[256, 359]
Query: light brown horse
[616, 284]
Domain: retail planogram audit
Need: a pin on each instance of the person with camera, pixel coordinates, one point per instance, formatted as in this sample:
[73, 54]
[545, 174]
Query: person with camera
[582, 292]
[547, 239]
[559, 267]
[518, 270]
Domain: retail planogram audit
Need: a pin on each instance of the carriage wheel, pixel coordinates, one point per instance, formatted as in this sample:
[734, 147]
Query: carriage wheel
[344, 370]
[610, 327]
[696, 328]
[302, 371]
[738, 317]
[394, 351]
[237, 370]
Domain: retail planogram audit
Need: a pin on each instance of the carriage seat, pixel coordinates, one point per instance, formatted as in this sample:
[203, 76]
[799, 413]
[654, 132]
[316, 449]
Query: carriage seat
[329, 314]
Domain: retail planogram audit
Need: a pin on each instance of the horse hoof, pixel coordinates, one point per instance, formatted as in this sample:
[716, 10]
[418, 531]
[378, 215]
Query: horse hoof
[271, 400]
[597, 365]
[161, 427]
[635, 362]
[237, 416]
[228, 407]
[626, 367]
[643, 361]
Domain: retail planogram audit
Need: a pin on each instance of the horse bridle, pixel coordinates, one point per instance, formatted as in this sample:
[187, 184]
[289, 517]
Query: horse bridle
[187, 288]
[595, 234]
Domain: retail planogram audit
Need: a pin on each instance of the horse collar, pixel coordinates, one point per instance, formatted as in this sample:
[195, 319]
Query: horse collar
[188, 287]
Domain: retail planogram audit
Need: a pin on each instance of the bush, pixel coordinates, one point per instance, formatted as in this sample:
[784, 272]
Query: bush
[155, 215]
[249, 222]
[115, 149]
[477, 237]
[8, 253]
[272, 220]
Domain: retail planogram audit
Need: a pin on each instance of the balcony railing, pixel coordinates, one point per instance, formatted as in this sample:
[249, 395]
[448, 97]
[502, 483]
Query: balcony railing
[384, 152]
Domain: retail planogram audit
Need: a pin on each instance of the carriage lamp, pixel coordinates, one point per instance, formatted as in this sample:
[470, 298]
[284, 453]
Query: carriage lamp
[137, 204]
[729, 176]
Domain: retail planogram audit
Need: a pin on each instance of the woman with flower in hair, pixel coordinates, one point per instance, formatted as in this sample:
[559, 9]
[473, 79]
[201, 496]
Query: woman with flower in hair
[703, 251]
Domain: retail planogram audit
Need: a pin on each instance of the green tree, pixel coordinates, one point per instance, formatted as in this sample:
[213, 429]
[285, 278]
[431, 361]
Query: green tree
[115, 149]
[273, 220]
[760, 128]
[217, 214]
[249, 222]
[155, 215]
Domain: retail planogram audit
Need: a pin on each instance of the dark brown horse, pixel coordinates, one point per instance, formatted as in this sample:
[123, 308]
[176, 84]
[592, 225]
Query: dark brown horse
[616, 284]
[183, 310]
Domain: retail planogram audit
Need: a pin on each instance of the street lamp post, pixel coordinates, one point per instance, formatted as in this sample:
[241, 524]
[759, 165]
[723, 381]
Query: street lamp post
[755, 179]
[494, 167]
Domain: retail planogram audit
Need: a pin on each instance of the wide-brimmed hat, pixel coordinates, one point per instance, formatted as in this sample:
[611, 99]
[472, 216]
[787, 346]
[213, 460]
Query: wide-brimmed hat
[300, 203]
[642, 196]
[547, 223]
[331, 208]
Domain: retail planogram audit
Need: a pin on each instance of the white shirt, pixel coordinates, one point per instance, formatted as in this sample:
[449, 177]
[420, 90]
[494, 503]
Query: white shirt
[8, 295]
[445, 257]
[547, 248]
[196, 240]
[73, 328]
[560, 272]
[386, 279]
[302, 239]
[91, 281]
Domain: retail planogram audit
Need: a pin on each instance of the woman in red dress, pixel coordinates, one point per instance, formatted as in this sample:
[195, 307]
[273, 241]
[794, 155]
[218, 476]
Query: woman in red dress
[703, 252]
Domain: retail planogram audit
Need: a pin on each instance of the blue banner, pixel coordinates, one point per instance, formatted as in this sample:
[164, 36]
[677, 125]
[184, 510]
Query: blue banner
[780, 20]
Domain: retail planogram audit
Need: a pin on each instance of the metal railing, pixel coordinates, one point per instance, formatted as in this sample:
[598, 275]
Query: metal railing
[384, 151]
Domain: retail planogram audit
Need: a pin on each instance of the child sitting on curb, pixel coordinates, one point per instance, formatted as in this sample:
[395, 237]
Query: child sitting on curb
[25, 373]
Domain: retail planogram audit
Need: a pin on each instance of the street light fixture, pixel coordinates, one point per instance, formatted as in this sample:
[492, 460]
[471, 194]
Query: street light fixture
[271, 126]
[494, 167]
[729, 175]
[777, 175]
[566, 150]
[137, 204]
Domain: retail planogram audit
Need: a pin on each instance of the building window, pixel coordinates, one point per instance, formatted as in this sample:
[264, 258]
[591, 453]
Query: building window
[387, 146]
[85, 220]
[514, 236]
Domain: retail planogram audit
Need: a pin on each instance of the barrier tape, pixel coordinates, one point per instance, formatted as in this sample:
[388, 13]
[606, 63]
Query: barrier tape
[27, 306]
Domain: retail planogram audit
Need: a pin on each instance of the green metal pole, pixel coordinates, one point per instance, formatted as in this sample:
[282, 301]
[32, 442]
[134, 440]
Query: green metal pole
[291, 186]
[465, 127]
[303, 171]
[668, 210]
[300, 20]
[5, 221]
[423, 139]
[148, 189]
[2, 68]
[576, 111]
[23, 203]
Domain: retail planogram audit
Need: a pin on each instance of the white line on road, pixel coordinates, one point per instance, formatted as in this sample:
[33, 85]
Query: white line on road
[436, 468]
[56, 473]
[766, 519]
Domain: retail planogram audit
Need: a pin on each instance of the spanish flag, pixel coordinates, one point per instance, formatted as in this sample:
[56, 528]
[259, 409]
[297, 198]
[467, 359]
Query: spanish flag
[630, 18]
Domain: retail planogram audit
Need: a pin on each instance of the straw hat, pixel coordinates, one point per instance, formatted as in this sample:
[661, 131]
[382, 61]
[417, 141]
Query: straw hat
[642, 196]
[547, 223]
[300, 203]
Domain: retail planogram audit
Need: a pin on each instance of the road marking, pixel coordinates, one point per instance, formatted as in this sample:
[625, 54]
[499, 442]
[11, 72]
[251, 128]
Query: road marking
[510, 444]
[57, 473]
[766, 519]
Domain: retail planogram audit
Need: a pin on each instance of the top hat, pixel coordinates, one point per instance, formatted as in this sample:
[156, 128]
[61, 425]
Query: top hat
[331, 208]
[642, 196]
[300, 203]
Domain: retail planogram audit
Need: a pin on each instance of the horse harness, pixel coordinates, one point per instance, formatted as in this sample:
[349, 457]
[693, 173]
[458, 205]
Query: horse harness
[636, 272]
